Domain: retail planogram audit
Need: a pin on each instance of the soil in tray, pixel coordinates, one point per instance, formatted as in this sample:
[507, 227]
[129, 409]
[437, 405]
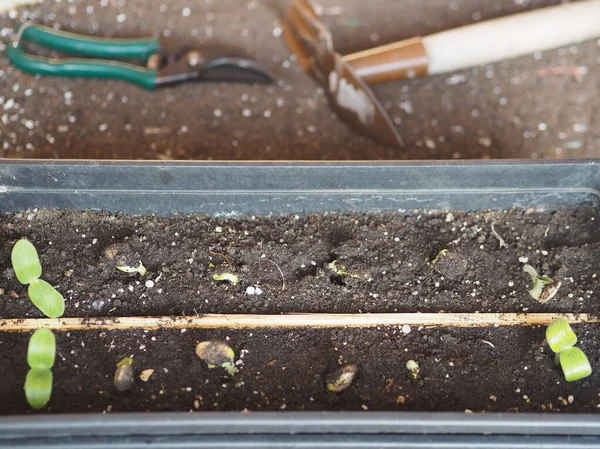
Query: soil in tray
[485, 369]
[387, 259]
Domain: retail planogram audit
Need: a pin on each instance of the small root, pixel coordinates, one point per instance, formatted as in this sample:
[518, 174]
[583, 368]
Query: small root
[499, 237]
[280, 272]
[214, 253]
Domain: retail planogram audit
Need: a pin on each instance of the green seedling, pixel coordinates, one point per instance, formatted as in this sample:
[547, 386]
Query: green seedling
[42, 349]
[26, 262]
[413, 367]
[573, 361]
[543, 288]
[27, 267]
[440, 254]
[560, 336]
[124, 373]
[217, 354]
[38, 387]
[141, 269]
[340, 270]
[40, 358]
[341, 379]
[227, 277]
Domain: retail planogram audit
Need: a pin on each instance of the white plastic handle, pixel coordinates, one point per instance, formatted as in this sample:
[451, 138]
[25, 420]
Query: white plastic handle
[512, 36]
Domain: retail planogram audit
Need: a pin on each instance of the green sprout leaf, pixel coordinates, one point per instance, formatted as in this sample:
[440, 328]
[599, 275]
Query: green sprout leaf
[228, 277]
[41, 350]
[141, 269]
[575, 364]
[26, 262]
[440, 254]
[46, 298]
[38, 387]
[543, 288]
[560, 336]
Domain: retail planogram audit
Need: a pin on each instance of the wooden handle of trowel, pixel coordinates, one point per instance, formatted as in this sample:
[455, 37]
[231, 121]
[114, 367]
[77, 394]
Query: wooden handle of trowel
[480, 43]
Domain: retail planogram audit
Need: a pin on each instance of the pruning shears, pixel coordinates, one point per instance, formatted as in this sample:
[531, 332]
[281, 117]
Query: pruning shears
[160, 69]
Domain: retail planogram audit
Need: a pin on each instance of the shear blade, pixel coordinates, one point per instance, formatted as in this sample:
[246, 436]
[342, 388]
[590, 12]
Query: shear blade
[234, 69]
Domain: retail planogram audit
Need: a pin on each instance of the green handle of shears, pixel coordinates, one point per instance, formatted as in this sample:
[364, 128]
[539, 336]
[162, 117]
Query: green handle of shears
[85, 46]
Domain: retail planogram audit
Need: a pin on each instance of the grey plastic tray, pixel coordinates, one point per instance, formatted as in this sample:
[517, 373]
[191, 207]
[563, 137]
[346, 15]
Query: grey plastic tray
[229, 189]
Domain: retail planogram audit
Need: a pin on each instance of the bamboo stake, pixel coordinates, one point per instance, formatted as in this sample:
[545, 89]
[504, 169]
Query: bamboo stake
[306, 320]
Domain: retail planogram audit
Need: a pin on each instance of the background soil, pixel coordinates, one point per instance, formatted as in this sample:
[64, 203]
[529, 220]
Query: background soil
[506, 369]
[487, 369]
[388, 258]
[537, 106]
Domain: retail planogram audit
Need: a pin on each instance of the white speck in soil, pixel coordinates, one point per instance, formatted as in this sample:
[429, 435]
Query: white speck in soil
[149, 283]
[9, 104]
[456, 79]
[277, 31]
[406, 329]
[97, 304]
[103, 127]
[218, 113]
[121, 18]
[246, 112]
[185, 12]
[485, 141]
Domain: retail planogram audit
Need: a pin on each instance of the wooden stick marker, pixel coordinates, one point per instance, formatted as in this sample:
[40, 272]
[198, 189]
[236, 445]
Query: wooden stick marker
[304, 320]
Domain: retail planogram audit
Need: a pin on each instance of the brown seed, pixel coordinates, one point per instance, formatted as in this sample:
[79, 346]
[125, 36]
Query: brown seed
[124, 374]
[342, 378]
[549, 291]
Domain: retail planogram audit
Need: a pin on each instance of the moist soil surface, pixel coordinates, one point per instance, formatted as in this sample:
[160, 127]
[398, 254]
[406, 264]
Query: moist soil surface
[384, 263]
[542, 105]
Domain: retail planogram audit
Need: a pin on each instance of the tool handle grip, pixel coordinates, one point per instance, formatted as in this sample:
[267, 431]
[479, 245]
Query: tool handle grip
[512, 36]
[89, 68]
[82, 45]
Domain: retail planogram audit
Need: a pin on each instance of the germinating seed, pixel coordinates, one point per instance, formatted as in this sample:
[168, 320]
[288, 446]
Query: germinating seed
[124, 374]
[341, 379]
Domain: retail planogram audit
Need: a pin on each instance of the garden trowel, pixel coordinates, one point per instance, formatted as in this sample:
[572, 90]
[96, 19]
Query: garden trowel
[345, 78]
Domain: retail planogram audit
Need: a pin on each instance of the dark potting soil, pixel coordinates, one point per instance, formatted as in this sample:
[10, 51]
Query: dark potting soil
[388, 261]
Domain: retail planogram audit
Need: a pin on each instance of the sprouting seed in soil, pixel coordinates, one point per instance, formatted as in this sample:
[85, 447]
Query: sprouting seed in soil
[41, 350]
[440, 254]
[38, 387]
[124, 374]
[227, 277]
[27, 267]
[543, 288]
[141, 269]
[339, 269]
[560, 336]
[413, 367]
[217, 354]
[341, 378]
[573, 361]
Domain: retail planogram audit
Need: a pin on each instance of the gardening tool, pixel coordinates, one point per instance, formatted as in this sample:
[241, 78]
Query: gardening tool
[161, 69]
[345, 78]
